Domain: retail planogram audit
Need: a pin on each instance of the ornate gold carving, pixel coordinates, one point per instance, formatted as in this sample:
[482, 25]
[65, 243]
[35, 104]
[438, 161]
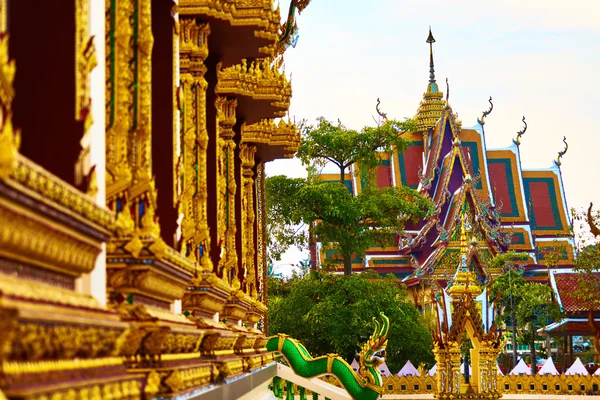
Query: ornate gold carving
[175, 381]
[261, 238]
[40, 292]
[85, 61]
[283, 134]
[252, 13]
[206, 295]
[231, 367]
[147, 280]
[260, 80]
[45, 187]
[190, 172]
[35, 242]
[226, 189]
[9, 138]
[247, 153]
[119, 77]
[127, 389]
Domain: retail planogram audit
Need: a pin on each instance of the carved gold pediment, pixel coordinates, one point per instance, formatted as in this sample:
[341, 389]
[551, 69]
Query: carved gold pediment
[277, 134]
[260, 79]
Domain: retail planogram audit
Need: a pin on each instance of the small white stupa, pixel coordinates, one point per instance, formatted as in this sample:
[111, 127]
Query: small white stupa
[433, 370]
[408, 369]
[578, 369]
[354, 365]
[548, 368]
[521, 368]
[385, 371]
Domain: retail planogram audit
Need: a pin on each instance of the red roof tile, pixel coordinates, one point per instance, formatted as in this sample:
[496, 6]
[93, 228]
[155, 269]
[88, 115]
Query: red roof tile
[566, 285]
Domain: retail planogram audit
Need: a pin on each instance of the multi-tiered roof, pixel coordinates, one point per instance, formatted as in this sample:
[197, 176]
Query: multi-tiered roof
[506, 206]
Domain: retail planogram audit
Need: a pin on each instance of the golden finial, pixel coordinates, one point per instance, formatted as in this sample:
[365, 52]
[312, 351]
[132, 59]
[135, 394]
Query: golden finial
[447, 91]
[562, 153]
[431, 41]
[517, 140]
[486, 113]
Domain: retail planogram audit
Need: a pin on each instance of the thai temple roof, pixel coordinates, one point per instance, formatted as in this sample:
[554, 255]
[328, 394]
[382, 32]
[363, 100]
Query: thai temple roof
[564, 284]
[505, 206]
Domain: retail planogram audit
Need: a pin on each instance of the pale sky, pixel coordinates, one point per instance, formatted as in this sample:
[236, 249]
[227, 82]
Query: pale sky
[538, 58]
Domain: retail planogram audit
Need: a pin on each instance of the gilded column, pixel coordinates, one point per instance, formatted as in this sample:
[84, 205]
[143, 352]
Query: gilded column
[85, 61]
[261, 236]
[119, 99]
[247, 153]
[226, 189]
[9, 138]
[130, 186]
[191, 164]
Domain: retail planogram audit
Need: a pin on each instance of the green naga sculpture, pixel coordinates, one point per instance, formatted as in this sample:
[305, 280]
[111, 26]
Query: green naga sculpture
[367, 384]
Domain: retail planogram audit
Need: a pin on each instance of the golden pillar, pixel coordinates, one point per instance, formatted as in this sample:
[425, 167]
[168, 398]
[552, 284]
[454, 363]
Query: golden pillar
[226, 189]
[247, 153]
[191, 176]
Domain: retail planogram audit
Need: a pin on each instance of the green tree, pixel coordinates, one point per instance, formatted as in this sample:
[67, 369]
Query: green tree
[503, 291]
[587, 264]
[535, 309]
[347, 224]
[332, 314]
[343, 147]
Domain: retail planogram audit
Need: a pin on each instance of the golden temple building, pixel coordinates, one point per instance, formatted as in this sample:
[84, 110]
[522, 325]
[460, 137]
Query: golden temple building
[133, 140]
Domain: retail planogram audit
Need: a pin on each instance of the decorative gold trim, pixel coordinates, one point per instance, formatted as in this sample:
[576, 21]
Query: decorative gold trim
[247, 153]
[226, 189]
[41, 242]
[191, 176]
[259, 14]
[260, 79]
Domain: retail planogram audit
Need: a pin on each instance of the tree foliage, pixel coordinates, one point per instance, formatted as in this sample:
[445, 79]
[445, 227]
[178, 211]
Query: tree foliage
[345, 223]
[531, 304]
[587, 263]
[332, 314]
[504, 290]
[535, 309]
[328, 142]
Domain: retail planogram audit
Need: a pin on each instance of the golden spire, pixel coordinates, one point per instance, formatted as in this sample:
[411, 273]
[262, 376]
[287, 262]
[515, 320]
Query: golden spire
[432, 105]
[463, 238]
[431, 41]
[464, 279]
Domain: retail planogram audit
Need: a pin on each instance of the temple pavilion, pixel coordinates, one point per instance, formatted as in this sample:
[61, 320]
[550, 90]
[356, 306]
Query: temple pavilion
[505, 206]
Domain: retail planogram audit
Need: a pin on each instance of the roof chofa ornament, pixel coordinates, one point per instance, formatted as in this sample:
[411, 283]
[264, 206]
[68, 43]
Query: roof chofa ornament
[517, 140]
[562, 153]
[381, 113]
[486, 113]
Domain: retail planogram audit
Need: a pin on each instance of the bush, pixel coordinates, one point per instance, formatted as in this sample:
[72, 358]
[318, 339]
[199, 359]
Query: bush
[333, 313]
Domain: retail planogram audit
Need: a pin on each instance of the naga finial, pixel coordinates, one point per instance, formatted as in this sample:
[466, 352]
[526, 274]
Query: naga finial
[289, 29]
[447, 90]
[590, 220]
[517, 140]
[301, 4]
[562, 153]
[486, 113]
[381, 114]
